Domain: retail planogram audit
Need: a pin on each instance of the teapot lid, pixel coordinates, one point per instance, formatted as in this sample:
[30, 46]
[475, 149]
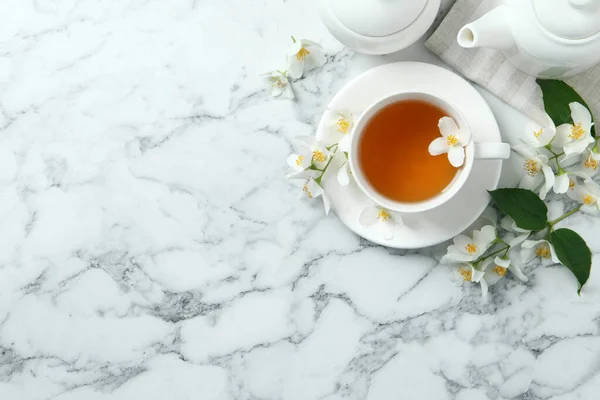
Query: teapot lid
[569, 19]
[376, 18]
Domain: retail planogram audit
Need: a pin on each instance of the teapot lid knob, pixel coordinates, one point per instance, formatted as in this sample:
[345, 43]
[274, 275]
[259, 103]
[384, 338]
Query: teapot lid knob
[569, 19]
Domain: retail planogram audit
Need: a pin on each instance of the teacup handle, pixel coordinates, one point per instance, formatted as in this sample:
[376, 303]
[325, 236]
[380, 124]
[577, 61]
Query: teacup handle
[492, 151]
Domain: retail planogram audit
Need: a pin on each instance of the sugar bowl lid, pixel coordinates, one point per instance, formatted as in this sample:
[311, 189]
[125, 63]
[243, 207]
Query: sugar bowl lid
[378, 26]
[377, 17]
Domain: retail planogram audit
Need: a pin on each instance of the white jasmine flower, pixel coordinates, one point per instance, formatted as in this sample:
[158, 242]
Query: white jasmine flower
[312, 152]
[467, 249]
[280, 85]
[339, 129]
[385, 219]
[496, 269]
[465, 272]
[590, 163]
[588, 194]
[541, 249]
[303, 56]
[312, 190]
[538, 136]
[537, 171]
[575, 138]
[520, 234]
[453, 141]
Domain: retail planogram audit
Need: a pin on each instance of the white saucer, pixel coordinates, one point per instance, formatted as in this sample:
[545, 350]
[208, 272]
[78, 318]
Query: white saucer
[445, 222]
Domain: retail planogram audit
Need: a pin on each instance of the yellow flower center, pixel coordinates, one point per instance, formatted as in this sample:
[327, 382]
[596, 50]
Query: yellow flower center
[466, 273]
[571, 184]
[589, 199]
[305, 190]
[543, 250]
[343, 125]
[577, 131]
[383, 215]
[451, 140]
[318, 156]
[302, 53]
[590, 162]
[471, 248]
[299, 160]
[532, 167]
[277, 82]
[500, 270]
[537, 134]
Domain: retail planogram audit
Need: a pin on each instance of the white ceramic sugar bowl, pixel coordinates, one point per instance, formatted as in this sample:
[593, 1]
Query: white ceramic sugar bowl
[378, 26]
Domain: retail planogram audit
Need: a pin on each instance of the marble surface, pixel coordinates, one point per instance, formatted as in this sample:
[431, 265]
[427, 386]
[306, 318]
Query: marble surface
[150, 247]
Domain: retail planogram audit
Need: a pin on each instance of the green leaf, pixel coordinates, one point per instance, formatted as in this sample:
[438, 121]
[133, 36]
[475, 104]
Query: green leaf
[522, 205]
[557, 96]
[573, 253]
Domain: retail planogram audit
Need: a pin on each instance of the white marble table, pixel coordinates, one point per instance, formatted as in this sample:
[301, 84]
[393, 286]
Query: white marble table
[150, 247]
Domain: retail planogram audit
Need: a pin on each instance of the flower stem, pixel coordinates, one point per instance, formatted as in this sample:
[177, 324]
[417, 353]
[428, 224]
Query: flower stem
[568, 214]
[595, 148]
[494, 253]
[294, 39]
[318, 180]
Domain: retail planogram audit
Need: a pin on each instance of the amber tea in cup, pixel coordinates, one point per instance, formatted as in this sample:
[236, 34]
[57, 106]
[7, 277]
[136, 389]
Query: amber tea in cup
[393, 152]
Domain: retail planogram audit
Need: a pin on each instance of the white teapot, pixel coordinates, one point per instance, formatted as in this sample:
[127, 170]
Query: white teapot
[545, 38]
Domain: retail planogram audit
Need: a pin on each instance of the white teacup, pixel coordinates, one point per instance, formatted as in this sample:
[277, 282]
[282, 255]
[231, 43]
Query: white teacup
[474, 150]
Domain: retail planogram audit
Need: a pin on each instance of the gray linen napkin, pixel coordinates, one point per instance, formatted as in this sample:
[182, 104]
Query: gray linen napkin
[490, 69]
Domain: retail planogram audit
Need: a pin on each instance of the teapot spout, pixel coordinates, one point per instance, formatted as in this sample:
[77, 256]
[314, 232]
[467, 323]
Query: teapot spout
[492, 30]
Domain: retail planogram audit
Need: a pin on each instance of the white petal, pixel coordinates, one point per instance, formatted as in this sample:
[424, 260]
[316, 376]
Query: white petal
[576, 147]
[463, 136]
[590, 210]
[516, 271]
[326, 203]
[343, 177]
[580, 114]
[387, 228]
[368, 216]
[397, 217]
[548, 176]
[485, 236]
[454, 255]
[447, 126]
[490, 215]
[295, 67]
[592, 187]
[306, 174]
[308, 142]
[519, 239]
[345, 141]
[527, 253]
[313, 189]
[502, 262]
[456, 156]
[553, 256]
[562, 135]
[292, 161]
[288, 93]
[561, 184]
[276, 91]
[315, 59]
[526, 151]
[484, 291]
[438, 146]
[476, 275]
[531, 182]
